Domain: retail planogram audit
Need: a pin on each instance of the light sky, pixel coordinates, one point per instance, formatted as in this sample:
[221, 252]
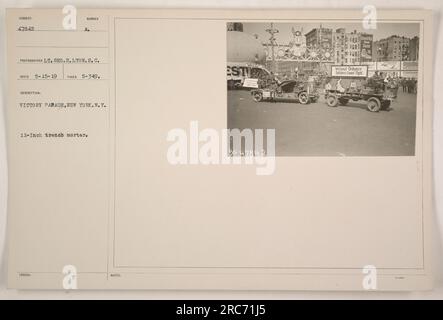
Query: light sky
[383, 30]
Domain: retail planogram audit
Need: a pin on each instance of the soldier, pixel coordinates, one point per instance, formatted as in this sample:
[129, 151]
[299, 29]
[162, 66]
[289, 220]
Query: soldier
[391, 85]
[376, 82]
[403, 84]
[395, 85]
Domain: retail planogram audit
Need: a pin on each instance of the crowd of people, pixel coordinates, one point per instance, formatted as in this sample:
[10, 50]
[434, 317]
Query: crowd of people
[408, 85]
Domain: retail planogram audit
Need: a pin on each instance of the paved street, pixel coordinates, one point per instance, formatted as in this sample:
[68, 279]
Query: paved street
[318, 130]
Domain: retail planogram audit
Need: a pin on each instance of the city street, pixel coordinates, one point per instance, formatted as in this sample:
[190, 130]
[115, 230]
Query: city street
[318, 130]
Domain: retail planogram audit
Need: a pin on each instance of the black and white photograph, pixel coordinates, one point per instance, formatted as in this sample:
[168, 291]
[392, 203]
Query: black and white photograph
[328, 89]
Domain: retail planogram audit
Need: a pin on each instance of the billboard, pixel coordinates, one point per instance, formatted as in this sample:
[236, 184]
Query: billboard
[366, 49]
[388, 65]
[407, 69]
[409, 65]
[241, 71]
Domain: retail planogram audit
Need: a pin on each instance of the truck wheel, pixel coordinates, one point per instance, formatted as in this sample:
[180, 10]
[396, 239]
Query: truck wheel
[257, 96]
[332, 101]
[303, 98]
[343, 101]
[374, 104]
[385, 104]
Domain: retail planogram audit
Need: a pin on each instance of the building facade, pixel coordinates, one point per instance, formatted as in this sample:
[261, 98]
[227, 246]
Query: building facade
[351, 47]
[393, 48]
[352, 50]
[413, 49]
[319, 38]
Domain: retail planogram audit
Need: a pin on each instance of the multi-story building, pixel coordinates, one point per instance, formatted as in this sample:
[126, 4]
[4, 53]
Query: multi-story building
[380, 50]
[413, 48]
[393, 48]
[319, 38]
[348, 47]
[339, 46]
[353, 48]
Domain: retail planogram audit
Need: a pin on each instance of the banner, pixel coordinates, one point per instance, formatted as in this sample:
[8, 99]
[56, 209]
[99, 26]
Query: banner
[349, 71]
[241, 71]
[388, 65]
[409, 65]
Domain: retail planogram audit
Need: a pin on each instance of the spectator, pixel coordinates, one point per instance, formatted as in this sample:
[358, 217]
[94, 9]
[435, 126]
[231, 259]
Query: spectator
[403, 84]
[409, 84]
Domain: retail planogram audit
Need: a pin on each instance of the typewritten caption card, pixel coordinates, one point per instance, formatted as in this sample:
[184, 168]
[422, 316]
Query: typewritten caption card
[217, 149]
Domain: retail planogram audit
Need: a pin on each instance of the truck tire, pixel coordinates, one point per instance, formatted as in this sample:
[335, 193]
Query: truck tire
[385, 104]
[303, 98]
[343, 101]
[374, 104]
[332, 100]
[257, 96]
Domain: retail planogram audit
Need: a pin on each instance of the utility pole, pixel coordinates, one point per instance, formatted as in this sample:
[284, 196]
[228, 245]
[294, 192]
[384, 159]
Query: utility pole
[272, 42]
[320, 46]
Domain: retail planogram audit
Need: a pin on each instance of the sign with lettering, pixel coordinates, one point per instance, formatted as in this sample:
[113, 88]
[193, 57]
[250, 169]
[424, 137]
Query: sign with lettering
[250, 83]
[241, 71]
[349, 71]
